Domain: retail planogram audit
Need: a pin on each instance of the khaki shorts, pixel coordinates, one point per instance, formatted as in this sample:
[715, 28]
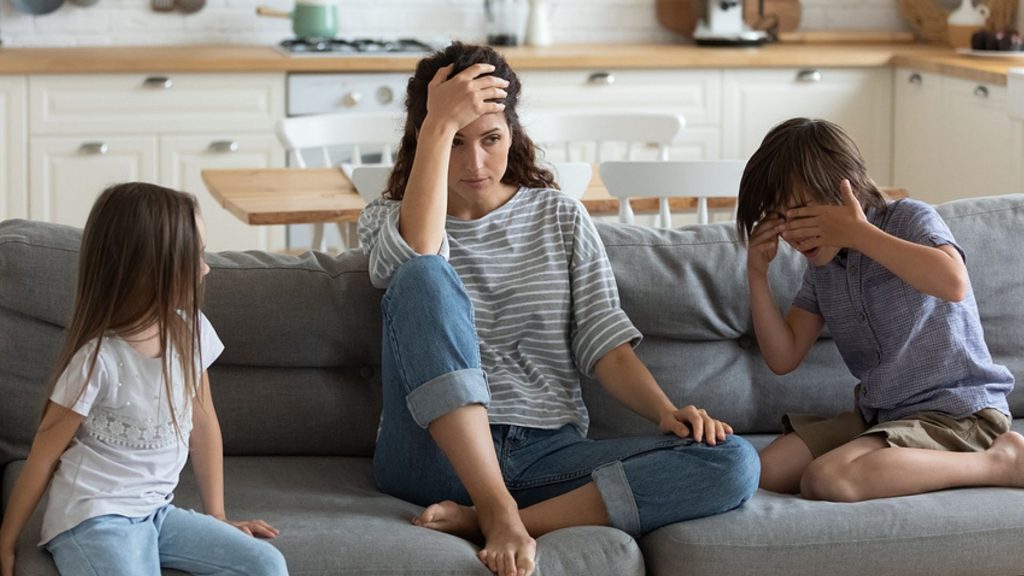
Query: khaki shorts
[931, 430]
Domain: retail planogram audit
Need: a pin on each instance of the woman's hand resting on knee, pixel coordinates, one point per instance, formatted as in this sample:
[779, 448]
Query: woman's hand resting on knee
[696, 423]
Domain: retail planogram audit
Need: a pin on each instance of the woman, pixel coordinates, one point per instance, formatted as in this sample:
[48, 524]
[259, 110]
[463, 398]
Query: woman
[499, 293]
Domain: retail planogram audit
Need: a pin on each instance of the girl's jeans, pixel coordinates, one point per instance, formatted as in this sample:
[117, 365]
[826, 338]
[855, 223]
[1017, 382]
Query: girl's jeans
[114, 545]
[430, 366]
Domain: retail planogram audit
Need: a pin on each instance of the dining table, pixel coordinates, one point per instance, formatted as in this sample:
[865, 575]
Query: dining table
[267, 196]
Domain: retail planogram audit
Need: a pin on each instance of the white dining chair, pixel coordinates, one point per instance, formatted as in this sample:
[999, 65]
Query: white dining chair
[573, 177]
[326, 140]
[701, 179]
[591, 136]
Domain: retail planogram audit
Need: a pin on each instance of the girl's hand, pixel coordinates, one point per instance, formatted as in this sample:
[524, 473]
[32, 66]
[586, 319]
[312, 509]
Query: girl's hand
[763, 244]
[257, 528]
[704, 428]
[462, 99]
[835, 226]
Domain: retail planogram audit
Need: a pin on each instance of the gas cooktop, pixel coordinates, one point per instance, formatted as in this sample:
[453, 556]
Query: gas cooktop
[354, 47]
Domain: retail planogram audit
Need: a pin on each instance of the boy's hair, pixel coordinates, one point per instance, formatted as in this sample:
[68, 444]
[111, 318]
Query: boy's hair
[139, 264]
[522, 169]
[801, 154]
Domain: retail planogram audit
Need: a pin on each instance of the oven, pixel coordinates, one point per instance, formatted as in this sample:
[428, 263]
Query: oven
[310, 93]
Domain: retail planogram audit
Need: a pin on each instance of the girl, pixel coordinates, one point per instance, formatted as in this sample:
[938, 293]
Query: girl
[890, 283]
[130, 399]
[498, 292]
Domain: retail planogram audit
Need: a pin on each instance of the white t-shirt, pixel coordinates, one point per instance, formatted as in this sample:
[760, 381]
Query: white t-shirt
[127, 455]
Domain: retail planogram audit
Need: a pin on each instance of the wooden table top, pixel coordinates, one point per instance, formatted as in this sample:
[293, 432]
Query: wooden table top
[310, 195]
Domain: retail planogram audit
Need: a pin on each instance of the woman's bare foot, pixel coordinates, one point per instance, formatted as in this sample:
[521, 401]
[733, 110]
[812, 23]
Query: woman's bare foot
[1009, 448]
[508, 549]
[452, 518]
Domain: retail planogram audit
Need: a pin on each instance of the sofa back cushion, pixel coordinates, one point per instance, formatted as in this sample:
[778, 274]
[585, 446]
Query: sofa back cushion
[300, 370]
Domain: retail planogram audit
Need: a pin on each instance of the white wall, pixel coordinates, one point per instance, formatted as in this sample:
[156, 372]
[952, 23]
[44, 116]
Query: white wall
[132, 22]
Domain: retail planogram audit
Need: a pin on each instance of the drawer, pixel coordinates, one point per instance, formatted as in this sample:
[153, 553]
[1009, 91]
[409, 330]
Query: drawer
[153, 103]
[696, 94]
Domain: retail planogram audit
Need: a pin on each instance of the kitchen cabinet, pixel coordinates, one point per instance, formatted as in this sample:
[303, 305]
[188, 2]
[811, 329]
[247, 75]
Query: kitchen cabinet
[696, 94]
[87, 132]
[68, 173]
[859, 100]
[183, 157]
[918, 129]
[954, 138]
[982, 148]
[13, 148]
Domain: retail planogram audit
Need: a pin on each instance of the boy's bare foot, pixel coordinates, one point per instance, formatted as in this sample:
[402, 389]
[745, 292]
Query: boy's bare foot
[508, 549]
[452, 518]
[1009, 447]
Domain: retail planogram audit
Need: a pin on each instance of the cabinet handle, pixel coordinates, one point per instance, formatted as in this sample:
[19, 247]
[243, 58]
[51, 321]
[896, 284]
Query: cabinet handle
[915, 78]
[808, 76]
[96, 148]
[224, 146]
[158, 82]
[601, 79]
[981, 91]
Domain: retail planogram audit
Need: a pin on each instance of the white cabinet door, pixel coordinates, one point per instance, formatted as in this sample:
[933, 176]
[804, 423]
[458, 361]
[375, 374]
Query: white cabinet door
[919, 130]
[859, 100]
[182, 158]
[67, 174]
[695, 94]
[13, 145]
[982, 147]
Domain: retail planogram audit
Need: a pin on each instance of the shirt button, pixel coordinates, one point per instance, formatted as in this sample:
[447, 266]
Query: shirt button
[863, 317]
[853, 267]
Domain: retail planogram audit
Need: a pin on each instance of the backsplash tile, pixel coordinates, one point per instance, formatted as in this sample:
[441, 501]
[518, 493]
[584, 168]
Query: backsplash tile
[132, 22]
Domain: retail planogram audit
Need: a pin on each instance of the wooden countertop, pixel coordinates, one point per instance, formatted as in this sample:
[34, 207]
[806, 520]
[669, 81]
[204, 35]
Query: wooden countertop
[234, 58]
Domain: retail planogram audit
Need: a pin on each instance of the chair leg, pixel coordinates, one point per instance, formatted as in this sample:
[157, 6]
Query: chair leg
[349, 235]
[702, 210]
[318, 238]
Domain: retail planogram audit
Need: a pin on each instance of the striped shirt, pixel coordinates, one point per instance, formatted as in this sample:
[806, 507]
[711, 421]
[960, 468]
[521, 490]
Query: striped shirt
[544, 299]
[912, 352]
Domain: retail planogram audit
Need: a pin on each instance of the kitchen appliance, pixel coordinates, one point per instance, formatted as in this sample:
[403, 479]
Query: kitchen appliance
[354, 47]
[506, 21]
[723, 25]
[356, 93]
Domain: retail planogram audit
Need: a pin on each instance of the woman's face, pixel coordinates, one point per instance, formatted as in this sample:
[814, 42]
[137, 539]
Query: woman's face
[478, 162]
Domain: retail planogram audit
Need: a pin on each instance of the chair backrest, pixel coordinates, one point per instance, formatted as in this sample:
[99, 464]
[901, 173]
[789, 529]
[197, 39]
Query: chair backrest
[309, 139]
[587, 134]
[699, 179]
[370, 181]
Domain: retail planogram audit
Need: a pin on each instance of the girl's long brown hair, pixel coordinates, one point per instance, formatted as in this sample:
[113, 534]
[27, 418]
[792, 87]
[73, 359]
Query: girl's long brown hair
[139, 265]
[810, 154]
[522, 155]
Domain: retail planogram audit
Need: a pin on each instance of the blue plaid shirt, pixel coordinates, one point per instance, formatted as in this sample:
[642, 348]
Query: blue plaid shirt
[912, 352]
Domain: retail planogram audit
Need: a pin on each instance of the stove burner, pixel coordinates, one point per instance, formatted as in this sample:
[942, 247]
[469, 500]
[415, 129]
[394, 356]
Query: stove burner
[355, 46]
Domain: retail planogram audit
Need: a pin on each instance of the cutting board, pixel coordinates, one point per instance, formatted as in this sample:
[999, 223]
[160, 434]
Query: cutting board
[681, 15]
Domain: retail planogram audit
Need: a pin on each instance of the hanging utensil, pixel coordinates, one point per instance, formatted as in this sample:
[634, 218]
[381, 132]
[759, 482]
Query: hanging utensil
[36, 7]
[189, 6]
[161, 5]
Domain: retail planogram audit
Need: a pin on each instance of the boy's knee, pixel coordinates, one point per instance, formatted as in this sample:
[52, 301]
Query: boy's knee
[827, 481]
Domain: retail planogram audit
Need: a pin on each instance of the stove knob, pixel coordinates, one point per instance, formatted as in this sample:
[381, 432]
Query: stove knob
[352, 99]
[385, 95]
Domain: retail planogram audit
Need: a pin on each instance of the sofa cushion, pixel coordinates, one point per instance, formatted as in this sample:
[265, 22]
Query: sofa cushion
[333, 521]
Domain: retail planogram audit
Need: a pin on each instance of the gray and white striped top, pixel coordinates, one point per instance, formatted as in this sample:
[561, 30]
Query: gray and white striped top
[543, 293]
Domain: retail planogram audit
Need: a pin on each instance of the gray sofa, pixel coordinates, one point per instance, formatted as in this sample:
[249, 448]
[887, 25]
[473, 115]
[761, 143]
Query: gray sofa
[297, 391]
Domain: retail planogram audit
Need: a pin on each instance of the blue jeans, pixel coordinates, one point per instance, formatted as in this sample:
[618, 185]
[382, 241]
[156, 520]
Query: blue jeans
[431, 365]
[114, 545]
